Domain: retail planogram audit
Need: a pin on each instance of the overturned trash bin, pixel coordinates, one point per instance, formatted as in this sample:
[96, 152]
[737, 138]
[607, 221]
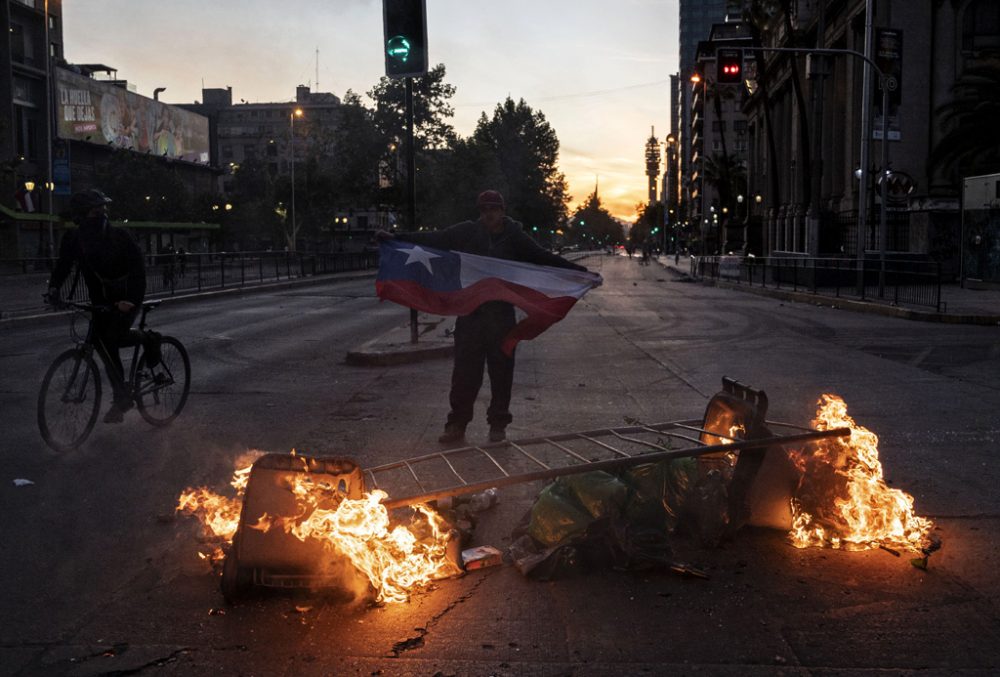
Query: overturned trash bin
[308, 523]
[262, 555]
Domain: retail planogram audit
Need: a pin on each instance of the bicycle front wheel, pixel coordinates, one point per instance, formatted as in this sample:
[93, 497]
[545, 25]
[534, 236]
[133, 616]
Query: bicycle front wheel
[69, 400]
[161, 389]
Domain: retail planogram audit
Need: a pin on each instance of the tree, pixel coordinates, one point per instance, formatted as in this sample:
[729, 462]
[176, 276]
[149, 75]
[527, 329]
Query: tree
[431, 130]
[648, 223]
[526, 149]
[593, 224]
[728, 176]
[253, 196]
[971, 146]
[143, 188]
[359, 147]
[431, 108]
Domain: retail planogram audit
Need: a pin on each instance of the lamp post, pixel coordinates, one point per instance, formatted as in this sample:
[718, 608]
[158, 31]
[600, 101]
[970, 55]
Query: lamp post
[696, 79]
[297, 113]
[670, 198]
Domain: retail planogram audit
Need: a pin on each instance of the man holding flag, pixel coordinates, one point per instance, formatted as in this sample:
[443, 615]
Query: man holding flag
[480, 270]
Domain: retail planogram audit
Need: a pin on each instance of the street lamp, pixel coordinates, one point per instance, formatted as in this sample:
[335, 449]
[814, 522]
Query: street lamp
[297, 113]
[696, 79]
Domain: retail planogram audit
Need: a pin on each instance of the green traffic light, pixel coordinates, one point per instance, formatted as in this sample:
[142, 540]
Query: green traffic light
[398, 48]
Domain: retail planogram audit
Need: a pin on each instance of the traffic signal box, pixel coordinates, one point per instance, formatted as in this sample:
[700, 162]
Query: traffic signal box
[729, 66]
[405, 45]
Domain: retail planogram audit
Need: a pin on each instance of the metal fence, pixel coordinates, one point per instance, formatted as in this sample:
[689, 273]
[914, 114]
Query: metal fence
[896, 282]
[174, 274]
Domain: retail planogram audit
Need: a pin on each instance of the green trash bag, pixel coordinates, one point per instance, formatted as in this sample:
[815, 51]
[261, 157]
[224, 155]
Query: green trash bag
[556, 517]
[600, 494]
[660, 491]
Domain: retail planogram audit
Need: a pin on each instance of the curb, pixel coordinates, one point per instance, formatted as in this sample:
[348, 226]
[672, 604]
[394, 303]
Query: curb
[394, 346]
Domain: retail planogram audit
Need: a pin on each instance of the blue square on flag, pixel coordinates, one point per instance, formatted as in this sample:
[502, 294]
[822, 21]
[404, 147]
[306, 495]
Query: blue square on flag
[433, 269]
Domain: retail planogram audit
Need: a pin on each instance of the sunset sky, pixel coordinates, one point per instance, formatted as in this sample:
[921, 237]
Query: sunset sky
[599, 71]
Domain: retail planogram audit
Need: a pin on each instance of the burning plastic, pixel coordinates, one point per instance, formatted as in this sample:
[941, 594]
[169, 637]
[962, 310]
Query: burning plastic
[842, 500]
[284, 500]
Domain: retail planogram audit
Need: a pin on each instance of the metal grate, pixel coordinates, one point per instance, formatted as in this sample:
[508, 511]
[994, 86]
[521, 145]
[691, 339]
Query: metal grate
[470, 469]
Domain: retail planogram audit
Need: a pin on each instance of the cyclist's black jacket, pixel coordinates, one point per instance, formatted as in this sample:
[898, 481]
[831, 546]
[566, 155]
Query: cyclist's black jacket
[110, 260]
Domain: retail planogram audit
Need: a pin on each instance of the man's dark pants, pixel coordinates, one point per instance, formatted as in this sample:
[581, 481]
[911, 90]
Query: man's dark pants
[111, 331]
[477, 341]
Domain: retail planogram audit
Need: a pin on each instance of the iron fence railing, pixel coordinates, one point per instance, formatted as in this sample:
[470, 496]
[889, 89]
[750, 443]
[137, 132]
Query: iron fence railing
[903, 282]
[173, 274]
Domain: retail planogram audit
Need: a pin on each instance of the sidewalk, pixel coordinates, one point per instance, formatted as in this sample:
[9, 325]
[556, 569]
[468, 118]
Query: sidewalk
[959, 305]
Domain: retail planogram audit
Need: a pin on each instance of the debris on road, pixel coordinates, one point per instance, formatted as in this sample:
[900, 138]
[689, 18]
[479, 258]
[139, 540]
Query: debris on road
[481, 557]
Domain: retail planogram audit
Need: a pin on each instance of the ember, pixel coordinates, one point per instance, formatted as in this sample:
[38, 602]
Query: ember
[842, 500]
[395, 559]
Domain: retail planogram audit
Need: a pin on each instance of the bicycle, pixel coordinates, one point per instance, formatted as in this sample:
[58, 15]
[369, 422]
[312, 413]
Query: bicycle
[69, 402]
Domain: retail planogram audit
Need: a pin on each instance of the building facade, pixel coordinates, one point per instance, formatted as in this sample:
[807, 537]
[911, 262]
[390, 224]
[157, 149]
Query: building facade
[806, 133]
[62, 126]
[280, 135]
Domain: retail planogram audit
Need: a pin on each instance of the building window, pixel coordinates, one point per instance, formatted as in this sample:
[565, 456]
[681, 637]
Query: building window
[719, 126]
[249, 150]
[981, 26]
[227, 152]
[53, 22]
[54, 50]
[740, 126]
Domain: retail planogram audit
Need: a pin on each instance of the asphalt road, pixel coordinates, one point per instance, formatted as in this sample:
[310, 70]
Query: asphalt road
[100, 578]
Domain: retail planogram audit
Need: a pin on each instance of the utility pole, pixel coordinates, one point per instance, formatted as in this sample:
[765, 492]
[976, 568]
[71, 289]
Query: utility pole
[411, 187]
[866, 105]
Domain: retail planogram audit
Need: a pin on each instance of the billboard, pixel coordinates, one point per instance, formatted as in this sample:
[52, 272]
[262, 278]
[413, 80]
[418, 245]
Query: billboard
[97, 112]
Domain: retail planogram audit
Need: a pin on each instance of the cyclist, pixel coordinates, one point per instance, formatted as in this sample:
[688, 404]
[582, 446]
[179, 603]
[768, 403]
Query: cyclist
[112, 267]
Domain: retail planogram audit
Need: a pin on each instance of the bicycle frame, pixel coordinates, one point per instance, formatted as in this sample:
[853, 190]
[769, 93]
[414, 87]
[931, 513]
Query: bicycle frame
[133, 339]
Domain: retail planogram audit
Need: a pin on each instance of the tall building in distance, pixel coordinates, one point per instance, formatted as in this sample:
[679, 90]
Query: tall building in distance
[696, 19]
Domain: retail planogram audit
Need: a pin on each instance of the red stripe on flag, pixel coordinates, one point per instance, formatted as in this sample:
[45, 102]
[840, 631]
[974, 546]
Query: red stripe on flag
[542, 311]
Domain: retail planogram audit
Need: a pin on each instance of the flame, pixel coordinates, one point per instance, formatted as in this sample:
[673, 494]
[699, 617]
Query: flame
[842, 500]
[219, 515]
[395, 559]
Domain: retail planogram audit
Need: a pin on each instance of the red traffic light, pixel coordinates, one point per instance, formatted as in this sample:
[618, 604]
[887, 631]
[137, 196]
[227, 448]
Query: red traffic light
[729, 64]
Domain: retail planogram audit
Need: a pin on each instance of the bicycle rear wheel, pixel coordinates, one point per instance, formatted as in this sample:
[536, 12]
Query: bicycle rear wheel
[161, 389]
[69, 400]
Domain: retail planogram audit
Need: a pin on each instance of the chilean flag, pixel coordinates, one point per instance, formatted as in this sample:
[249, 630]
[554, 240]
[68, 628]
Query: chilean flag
[455, 283]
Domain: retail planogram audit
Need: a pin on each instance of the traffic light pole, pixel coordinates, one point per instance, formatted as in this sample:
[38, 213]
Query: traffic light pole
[411, 187]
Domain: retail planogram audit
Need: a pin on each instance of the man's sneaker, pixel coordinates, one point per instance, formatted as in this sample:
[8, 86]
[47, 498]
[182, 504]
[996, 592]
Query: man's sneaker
[452, 434]
[497, 433]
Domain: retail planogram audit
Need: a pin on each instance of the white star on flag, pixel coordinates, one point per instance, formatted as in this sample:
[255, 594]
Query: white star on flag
[418, 255]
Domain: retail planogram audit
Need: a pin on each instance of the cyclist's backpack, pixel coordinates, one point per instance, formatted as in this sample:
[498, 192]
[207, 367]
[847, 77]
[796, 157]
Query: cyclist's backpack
[151, 347]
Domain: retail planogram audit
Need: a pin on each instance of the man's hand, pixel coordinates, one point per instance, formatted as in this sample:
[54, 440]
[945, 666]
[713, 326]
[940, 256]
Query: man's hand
[124, 306]
[384, 236]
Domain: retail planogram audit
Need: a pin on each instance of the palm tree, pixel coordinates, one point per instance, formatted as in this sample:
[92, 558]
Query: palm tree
[971, 145]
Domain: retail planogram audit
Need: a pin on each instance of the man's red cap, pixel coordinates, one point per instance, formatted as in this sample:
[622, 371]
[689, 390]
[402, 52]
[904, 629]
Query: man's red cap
[490, 198]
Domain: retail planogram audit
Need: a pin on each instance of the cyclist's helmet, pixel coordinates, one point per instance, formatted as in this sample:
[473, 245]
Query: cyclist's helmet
[85, 200]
